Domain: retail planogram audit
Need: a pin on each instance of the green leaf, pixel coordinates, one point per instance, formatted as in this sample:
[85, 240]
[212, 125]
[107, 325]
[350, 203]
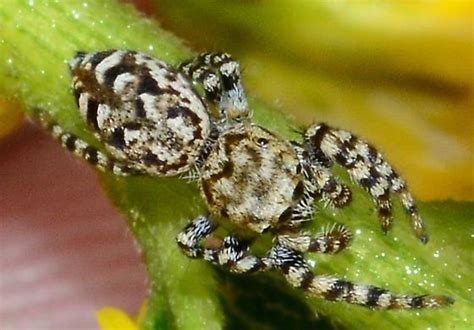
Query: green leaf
[36, 40]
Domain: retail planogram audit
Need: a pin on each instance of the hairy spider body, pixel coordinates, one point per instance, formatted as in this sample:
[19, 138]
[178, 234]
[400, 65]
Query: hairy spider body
[152, 121]
[251, 177]
[162, 123]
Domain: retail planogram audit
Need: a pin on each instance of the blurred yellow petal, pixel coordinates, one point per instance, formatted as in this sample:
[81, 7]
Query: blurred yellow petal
[451, 9]
[397, 73]
[111, 318]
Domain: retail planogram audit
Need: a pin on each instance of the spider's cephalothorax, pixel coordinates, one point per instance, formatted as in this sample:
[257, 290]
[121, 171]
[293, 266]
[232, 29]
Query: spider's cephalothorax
[153, 121]
[252, 177]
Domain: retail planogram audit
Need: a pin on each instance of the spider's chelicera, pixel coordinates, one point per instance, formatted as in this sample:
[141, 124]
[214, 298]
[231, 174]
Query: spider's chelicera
[153, 121]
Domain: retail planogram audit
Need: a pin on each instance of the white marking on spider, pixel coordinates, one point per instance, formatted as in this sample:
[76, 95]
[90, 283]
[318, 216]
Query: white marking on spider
[110, 61]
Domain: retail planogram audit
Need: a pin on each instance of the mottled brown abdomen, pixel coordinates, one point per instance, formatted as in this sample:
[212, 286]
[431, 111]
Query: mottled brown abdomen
[147, 113]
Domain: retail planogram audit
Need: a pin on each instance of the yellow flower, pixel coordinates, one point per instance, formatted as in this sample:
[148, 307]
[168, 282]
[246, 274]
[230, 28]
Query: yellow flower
[112, 318]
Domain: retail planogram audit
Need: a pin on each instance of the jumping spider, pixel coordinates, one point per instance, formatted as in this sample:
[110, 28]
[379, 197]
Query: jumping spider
[153, 121]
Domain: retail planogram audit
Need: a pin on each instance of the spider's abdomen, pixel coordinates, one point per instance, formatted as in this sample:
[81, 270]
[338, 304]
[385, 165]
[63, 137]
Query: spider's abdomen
[252, 177]
[145, 112]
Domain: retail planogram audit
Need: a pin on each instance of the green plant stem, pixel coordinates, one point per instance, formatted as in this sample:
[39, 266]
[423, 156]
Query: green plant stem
[35, 43]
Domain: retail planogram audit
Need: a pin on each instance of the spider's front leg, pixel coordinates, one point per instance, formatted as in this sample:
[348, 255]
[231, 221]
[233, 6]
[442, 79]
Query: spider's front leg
[232, 254]
[319, 179]
[298, 273]
[367, 167]
[219, 75]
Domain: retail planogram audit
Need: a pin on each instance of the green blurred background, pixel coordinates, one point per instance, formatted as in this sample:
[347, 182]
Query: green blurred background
[399, 73]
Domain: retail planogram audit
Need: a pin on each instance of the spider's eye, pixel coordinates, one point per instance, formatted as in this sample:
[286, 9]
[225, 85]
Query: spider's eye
[262, 142]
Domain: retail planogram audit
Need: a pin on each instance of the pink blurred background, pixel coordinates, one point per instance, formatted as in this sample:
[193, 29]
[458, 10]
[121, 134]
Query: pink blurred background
[65, 251]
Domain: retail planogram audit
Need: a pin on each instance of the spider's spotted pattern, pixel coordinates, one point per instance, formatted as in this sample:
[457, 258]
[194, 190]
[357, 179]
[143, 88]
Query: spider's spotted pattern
[152, 121]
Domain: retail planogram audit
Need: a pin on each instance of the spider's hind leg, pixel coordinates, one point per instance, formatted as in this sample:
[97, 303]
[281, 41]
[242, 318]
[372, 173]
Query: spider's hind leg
[219, 75]
[83, 149]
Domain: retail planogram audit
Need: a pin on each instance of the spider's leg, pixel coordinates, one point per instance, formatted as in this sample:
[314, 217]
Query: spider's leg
[83, 149]
[329, 187]
[367, 167]
[332, 240]
[319, 181]
[219, 75]
[232, 254]
[298, 273]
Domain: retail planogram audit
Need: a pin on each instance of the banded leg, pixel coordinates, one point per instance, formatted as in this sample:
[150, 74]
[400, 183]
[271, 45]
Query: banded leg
[332, 191]
[332, 240]
[219, 75]
[82, 149]
[319, 181]
[367, 167]
[297, 272]
[232, 254]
